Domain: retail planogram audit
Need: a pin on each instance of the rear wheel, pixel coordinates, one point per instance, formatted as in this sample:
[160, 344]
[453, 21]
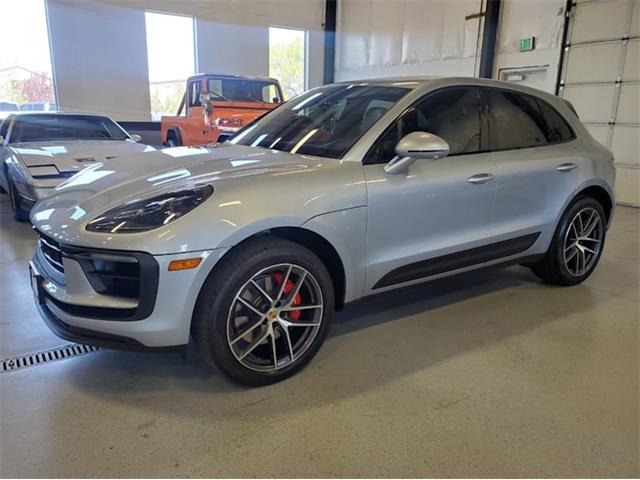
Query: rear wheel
[577, 244]
[172, 139]
[265, 311]
[19, 213]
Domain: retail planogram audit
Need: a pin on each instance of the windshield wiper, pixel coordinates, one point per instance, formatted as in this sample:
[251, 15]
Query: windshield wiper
[220, 96]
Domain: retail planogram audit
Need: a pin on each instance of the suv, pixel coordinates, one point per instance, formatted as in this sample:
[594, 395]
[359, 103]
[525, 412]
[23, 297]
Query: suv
[217, 106]
[345, 191]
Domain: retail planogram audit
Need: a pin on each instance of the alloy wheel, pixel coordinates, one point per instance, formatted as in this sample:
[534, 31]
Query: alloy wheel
[275, 317]
[583, 241]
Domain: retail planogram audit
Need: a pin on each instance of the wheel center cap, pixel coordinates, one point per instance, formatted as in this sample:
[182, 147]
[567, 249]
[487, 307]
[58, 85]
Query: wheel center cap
[273, 314]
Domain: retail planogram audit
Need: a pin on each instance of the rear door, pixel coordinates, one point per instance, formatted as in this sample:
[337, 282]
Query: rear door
[537, 167]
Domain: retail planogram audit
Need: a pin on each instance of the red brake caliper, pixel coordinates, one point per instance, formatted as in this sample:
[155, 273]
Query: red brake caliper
[293, 314]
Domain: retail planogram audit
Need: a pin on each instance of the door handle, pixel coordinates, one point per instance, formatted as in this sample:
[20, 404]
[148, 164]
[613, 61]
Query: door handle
[480, 178]
[566, 167]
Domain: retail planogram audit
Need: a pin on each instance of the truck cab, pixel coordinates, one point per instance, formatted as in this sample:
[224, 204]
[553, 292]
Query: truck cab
[214, 107]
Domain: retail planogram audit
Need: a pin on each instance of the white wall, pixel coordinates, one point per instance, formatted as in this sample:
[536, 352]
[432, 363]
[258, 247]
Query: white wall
[100, 45]
[543, 19]
[233, 49]
[379, 38]
[405, 37]
[99, 59]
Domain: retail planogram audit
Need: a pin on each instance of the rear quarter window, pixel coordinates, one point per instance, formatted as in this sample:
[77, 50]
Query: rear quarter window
[558, 128]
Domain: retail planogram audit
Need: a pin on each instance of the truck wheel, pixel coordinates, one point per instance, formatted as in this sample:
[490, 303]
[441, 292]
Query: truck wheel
[172, 139]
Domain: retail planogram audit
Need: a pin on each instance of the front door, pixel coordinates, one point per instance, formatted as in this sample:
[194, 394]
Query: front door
[436, 216]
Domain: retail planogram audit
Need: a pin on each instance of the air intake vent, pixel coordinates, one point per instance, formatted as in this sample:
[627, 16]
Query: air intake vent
[33, 359]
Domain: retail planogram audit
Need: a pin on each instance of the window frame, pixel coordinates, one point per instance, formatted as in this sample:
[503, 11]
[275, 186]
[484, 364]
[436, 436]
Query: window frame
[198, 86]
[6, 124]
[490, 123]
[483, 123]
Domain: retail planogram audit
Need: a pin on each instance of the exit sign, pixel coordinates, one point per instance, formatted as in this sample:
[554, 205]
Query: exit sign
[527, 43]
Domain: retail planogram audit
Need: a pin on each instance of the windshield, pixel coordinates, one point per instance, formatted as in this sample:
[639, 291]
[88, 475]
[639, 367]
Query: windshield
[240, 90]
[39, 128]
[325, 122]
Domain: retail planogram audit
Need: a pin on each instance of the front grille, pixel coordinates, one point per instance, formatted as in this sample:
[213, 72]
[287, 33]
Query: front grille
[50, 250]
[49, 258]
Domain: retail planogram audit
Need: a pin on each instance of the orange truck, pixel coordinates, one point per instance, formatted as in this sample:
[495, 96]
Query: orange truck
[214, 107]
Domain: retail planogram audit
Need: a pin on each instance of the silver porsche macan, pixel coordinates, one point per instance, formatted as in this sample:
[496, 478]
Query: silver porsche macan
[345, 191]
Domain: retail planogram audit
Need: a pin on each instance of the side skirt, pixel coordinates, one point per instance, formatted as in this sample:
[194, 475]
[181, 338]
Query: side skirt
[458, 260]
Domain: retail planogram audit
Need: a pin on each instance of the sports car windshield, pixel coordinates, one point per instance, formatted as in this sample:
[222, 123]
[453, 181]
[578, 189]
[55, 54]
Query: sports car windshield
[40, 128]
[325, 122]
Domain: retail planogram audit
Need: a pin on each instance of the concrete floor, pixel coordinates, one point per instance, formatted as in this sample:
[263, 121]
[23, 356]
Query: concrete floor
[494, 374]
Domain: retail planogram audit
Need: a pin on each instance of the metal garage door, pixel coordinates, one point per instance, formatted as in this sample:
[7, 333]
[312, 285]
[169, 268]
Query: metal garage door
[601, 77]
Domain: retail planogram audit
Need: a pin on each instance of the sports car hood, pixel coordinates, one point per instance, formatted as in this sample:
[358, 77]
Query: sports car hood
[73, 156]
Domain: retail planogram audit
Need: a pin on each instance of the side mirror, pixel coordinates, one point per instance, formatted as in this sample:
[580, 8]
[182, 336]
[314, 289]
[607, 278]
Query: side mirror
[135, 137]
[205, 101]
[414, 146]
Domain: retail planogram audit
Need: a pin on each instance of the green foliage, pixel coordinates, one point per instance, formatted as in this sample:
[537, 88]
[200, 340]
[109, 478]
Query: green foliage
[38, 87]
[165, 99]
[286, 63]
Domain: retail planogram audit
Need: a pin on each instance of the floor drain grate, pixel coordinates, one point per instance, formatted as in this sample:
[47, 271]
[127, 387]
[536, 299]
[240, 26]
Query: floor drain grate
[33, 359]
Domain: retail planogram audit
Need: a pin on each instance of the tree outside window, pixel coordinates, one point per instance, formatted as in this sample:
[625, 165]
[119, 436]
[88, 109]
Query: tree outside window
[287, 61]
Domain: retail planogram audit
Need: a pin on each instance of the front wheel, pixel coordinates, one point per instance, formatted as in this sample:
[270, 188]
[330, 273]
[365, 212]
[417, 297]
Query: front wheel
[264, 312]
[19, 213]
[577, 244]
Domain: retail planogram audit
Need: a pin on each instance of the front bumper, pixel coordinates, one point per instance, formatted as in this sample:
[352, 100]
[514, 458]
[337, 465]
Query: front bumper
[159, 317]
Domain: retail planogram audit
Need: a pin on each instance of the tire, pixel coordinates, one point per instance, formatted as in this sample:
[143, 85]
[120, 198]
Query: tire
[19, 213]
[172, 140]
[578, 264]
[233, 335]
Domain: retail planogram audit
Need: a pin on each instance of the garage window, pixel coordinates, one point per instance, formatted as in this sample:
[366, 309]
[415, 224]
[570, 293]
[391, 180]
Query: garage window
[26, 81]
[171, 58]
[287, 59]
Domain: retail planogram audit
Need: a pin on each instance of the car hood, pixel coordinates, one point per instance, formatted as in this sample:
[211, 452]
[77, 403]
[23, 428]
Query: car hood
[255, 179]
[73, 156]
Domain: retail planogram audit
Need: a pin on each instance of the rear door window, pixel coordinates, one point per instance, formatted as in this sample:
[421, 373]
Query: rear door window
[515, 120]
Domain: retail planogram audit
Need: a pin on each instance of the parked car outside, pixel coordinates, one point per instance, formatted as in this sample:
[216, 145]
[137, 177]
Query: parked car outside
[348, 190]
[40, 150]
[6, 108]
[38, 107]
[214, 107]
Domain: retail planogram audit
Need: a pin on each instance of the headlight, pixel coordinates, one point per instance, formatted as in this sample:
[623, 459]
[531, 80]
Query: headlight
[150, 213]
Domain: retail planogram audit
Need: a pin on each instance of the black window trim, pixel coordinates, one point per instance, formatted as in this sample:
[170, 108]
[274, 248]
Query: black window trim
[484, 121]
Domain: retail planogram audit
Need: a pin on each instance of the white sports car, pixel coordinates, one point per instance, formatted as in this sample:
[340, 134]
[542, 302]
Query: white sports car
[40, 150]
